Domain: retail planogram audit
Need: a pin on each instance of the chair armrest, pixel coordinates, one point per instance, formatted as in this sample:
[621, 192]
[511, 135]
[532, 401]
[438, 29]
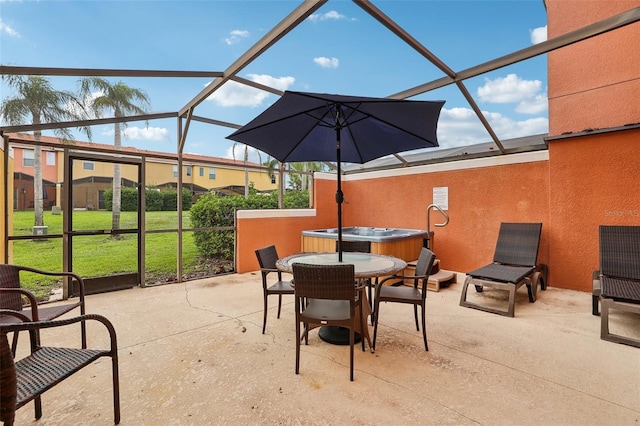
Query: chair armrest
[22, 317]
[40, 325]
[58, 274]
[392, 277]
[33, 302]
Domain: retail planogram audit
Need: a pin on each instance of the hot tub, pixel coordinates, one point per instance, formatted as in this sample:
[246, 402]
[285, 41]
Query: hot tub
[402, 243]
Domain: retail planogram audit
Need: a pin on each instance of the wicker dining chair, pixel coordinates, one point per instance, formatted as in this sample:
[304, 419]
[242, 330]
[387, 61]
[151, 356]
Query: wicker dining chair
[267, 257]
[12, 294]
[326, 295]
[26, 379]
[391, 289]
[361, 247]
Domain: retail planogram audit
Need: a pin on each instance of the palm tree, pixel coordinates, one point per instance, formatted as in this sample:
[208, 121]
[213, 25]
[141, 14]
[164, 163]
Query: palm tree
[300, 182]
[122, 100]
[38, 101]
[271, 165]
[246, 165]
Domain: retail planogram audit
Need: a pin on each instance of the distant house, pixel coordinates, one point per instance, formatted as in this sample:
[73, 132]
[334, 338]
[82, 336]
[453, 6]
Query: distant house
[93, 175]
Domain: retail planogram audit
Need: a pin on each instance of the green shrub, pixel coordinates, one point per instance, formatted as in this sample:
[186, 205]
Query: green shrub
[153, 200]
[214, 211]
[170, 200]
[128, 199]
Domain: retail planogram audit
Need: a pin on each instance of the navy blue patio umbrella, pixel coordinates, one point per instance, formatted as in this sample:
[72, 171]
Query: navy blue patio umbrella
[352, 129]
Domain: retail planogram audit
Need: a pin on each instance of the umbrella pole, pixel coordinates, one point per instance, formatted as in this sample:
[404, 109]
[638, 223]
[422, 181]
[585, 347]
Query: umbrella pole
[339, 195]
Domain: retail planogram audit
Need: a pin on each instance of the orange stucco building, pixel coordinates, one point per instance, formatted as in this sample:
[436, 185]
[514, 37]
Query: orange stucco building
[587, 177]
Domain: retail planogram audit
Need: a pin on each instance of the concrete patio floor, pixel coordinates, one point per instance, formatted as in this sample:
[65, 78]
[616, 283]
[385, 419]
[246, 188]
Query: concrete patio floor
[193, 354]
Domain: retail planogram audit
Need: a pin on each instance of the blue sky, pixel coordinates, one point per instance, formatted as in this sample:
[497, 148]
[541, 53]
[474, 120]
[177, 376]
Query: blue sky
[340, 49]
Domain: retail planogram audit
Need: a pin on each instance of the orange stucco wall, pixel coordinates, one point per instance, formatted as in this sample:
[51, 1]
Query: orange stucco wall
[595, 83]
[479, 199]
[285, 231]
[596, 182]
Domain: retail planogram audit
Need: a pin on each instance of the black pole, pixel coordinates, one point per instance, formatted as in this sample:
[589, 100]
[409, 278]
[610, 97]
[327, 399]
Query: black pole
[339, 195]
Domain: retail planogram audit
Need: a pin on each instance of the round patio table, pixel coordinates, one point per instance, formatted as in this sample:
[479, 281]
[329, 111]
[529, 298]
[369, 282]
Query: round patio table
[366, 265]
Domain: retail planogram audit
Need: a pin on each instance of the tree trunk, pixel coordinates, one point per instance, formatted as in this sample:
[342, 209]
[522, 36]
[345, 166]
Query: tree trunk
[281, 186]
[117, 186]
[38, 207]
[246, 172]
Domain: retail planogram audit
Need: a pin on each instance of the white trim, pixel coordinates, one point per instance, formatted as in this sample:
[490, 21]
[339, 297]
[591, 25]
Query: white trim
[498, 160]
[271, 213]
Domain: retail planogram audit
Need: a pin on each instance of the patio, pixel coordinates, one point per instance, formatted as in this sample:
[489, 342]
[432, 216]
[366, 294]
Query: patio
[193, 353]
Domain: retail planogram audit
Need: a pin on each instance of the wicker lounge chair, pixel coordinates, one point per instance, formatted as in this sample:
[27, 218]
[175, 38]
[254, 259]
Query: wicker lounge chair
[267, 258]
[11, 297]
[26, 379]
[617, 283]
[326, 295]
[391, 289]
[514, 264]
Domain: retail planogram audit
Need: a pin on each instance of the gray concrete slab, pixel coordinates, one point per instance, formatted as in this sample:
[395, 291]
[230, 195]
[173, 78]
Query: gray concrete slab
[193, 354]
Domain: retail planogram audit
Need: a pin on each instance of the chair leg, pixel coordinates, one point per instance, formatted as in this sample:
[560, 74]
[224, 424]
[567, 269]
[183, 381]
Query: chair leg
[298, 337]
[14, 343]
[512, 301]
[594, 305]
[415, 316]
[83, 331]
[371, 304]
[363, 324]
[264, 319]
[279, 304]
[116, 389]
[424, 327]
[38, 406]
[375, 314]
[351, 344]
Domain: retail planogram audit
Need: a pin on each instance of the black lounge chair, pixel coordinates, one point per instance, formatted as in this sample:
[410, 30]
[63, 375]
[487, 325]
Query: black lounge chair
[514, 264]
[617, 284]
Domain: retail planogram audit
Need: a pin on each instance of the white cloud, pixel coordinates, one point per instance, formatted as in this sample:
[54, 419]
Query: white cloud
[535, 105]
[157, 134]
[4, 28]
[461, 126]
[235, 94]
[236, 36]
[508, 89]
[327, 62]
[512, 89]
[236, 152]
[538, 35]
[146, 133]
[331, 15]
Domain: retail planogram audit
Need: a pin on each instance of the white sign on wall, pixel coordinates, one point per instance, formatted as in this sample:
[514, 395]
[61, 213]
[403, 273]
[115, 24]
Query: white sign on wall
[441, 197]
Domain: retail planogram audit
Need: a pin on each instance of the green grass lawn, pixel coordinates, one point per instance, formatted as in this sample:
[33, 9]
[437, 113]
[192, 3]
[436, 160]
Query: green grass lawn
[100, 255]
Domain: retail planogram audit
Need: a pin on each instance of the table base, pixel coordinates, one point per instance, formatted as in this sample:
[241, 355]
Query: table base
[337, 335]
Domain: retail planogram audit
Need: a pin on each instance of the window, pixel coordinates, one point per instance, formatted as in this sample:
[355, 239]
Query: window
[175, 171]
[88, 165]
[201, 171]
[189, 170]
[212, 173]
[27, 158]
[51, 158]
